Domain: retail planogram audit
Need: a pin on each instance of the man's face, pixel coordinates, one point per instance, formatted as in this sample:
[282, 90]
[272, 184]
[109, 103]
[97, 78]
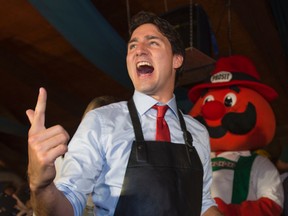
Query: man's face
[151, 64]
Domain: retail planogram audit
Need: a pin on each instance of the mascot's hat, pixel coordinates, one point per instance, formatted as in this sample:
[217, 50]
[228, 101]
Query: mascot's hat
[234, 70]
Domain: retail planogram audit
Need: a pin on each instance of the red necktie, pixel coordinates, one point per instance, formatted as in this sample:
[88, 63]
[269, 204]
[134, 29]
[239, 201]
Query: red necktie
[162, 129]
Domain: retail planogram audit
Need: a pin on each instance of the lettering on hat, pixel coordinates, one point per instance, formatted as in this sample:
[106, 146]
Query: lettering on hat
[222, 76]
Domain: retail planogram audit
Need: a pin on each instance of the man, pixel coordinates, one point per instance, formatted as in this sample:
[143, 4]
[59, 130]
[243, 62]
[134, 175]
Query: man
[108, 156]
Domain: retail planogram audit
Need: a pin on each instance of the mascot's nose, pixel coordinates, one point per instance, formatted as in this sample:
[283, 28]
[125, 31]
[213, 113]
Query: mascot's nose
[213, 110]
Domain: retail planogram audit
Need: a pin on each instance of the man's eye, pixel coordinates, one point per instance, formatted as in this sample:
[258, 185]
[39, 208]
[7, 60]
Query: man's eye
[153, 43]
[132, 46]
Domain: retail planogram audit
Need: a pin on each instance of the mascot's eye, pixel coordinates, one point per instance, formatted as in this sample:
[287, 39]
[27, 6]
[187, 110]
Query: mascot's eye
[208, 99]
[230, 100]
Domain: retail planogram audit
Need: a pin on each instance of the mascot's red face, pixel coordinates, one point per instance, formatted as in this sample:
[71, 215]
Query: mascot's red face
[237, 118]
[234, 106]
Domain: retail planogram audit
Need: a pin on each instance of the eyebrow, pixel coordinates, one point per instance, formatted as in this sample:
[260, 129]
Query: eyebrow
[148, 37]
[235, 88]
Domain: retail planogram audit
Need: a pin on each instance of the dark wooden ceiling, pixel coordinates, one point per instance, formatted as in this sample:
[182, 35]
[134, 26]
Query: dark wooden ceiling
[34, 54]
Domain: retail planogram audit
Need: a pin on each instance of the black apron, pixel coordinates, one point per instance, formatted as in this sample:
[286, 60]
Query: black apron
[162, 178]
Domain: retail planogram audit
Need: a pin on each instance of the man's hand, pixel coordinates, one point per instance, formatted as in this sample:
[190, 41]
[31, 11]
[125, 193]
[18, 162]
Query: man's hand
[44, 145]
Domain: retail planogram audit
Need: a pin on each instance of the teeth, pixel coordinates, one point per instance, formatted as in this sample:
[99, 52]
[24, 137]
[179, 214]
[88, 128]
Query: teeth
[143, 64]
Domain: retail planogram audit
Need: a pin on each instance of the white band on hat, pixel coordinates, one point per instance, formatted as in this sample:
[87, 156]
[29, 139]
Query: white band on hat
[222, 76]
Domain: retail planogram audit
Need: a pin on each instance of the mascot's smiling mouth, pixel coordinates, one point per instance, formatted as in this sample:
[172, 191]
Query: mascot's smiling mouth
[235, 123]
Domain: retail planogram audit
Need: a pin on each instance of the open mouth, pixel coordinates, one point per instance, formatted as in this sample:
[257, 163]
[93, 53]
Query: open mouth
[144, 68]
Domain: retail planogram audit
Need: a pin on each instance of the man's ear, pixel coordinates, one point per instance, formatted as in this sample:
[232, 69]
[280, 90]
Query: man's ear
[177, 61]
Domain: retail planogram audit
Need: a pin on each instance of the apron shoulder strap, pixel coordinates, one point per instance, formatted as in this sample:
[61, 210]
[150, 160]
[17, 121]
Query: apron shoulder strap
[186, 134]
[135, 120]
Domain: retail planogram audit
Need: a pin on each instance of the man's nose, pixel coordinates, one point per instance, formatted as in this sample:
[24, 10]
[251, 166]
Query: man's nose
[141, 50]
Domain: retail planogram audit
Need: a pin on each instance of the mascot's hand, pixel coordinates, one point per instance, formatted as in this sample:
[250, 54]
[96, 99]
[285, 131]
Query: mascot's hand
[261, 207]
[223, 207]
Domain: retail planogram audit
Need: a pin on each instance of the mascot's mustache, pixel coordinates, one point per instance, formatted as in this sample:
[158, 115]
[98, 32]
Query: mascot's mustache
[235, 123]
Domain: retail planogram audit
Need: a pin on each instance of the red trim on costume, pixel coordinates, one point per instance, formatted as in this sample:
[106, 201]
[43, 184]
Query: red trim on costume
[261, 207]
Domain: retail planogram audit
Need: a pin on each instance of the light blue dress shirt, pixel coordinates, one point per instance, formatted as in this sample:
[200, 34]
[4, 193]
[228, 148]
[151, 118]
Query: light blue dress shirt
[99, 152]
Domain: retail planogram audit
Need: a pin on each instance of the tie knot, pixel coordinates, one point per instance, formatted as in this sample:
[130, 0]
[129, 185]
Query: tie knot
[161, 110]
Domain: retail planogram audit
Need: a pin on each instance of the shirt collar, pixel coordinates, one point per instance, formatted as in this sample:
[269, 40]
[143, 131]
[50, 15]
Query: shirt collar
[144, 102]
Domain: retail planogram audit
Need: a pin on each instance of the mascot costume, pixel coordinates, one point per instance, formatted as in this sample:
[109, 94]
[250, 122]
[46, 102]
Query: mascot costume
[234, 106]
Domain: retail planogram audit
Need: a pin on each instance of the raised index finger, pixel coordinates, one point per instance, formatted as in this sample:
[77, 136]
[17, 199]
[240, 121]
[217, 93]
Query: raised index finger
[38, 122]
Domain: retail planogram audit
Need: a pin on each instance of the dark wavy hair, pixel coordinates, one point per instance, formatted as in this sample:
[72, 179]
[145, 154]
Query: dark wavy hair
[144, 17]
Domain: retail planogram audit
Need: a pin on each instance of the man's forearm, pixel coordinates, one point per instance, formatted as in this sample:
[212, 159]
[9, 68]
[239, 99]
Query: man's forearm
[49, 201]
